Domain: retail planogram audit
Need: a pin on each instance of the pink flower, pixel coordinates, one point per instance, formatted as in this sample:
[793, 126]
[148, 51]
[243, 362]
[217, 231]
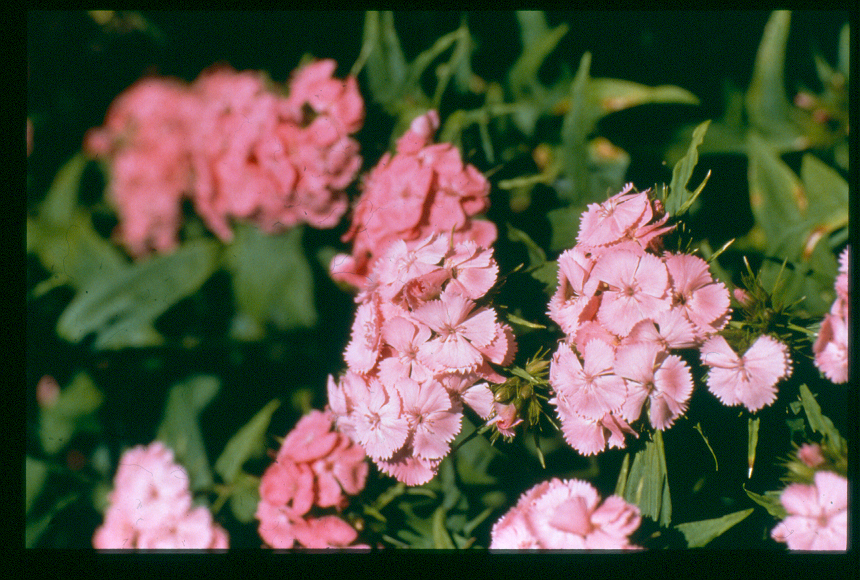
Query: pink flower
[407, 467]
[323, 532]
[573, 302]
[607, 223]
[637, 289]
[289, 484]
[150, 506]
[145, 142]
[47, 391]
[433, 420]
[334, 102]
[460, 331]
[406, 338]
[831, 348]
[841, 283]
[652, 374]
[566, 514]
[311, 439]
[472, 269]
[591, 388]
[362, 352]
[749, 380]
[505, 419]
[380, 426]
[810, 455]
[817, 514]
[703, 301]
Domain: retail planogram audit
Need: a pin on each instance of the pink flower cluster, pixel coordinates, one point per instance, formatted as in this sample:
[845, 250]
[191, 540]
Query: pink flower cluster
[566, 515]
[419, 348]
[831, 345]
[424, 189]
[315, 466]
[817, 514]
[150, 507]
[235, 147]
[624, 308]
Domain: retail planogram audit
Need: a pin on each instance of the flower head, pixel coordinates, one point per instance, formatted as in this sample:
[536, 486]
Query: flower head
[817, 514]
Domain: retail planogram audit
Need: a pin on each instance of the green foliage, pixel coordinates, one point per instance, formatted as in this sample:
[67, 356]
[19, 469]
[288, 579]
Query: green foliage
[180, 429]
[646, 484]
[679, 198]
[272, 282]
[121, 307]
[73, 411]
[248, 442]
[35, 473]
[699, 534]
[818, 422]
[770, 502]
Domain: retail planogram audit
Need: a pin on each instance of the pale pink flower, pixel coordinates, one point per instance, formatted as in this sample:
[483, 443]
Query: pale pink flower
[276, 525]
[290, 484]
[405, 338]
[593, 330]
[460, 331]
[505, 419]
[468, 391]
[817, 514]
[500, 351]
[323, 532]
[472, 269]
[638, 288]
[433, 420]
[841, 284]
[591, 436]
[406, 466]
[651, 373]
[362, 352]
[150, 506]
[573, 301]
[380, 426]
[310, 439]
[810, 455]
[831, 348]
[566, 514]
[670, 329]
[705, 302]
[749, 380]
[591, 388]
[608, 222]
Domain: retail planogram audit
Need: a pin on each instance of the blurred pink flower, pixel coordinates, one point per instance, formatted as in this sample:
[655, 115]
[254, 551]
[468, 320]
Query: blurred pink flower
[749, 380]
[831, 344]
[810, 455]
[145, 143]
[290, 484]
[817, 514]
[150, 506]
[566, 514]
[47, 391]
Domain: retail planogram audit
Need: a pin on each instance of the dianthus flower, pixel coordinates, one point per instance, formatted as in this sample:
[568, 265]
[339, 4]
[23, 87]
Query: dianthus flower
[419, 347]
[566, 515]
[817, 514]
[150, 507]
[145, 143]
[315, 466]
[749, 380]
[423, 189]
[831, 344]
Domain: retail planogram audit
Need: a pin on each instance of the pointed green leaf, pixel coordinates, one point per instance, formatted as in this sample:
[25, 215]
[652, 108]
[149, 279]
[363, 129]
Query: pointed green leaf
[564, 222]
[245, 497]
[35, 473]
[122, 306]
[621, 484]
[536, 254]
[547, 273]
[699, 534]
[826, 199]
[272, 282]
[533, 27]
[766, 103]
[648, 484]
[386, 66]
[610, 95]
[58, 207]
[575, 129]
[752, 442]
[769, 501]
[607, 168]
[679, 196]
[179, 428]
[441, 538]
[248, 442]
[818, 422]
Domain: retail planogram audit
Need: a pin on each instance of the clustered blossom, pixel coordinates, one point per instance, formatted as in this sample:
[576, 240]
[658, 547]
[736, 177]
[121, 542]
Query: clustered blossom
[419, 349]
[235, 147]
[315, 467]
[425, 188]
[817, 514]
[151, 508]
[566, 515]
[831, 345]
[624, 307]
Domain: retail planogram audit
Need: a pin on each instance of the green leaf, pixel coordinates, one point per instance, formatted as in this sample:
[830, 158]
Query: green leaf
[648, 483]
[248, 442]
[272, 282]
[386, 65]
[575, 128]
[179, 428]
[610, 95]
[60, 204]
[621, 484]
[514, 319]
[752, 442]
[769, 501]
[245, 497]
[441, 538]
[826, 203]
[533, 27]
[547, 273]
[122, 306]
[698, 428]
[473, 459]
[73, 410]
[680, 198]
[564, 222]
[767, 106]
[36, 528]
[607, 168]
[536, 254]
[35, 473]
[818, 422]
[699, 534]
